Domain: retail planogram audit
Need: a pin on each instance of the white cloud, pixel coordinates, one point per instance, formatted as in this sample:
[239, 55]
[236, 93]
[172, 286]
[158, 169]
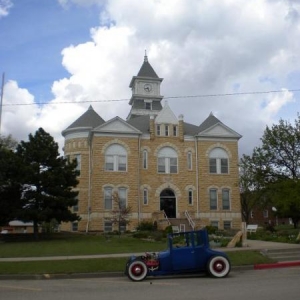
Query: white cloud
[205, 47]
[5, 6]
[84, 3]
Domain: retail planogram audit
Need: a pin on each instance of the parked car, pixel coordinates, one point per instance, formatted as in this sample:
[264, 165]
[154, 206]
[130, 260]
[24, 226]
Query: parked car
[188, 252]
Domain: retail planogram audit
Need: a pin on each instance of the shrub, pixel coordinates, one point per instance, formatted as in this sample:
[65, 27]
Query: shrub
[146, 226]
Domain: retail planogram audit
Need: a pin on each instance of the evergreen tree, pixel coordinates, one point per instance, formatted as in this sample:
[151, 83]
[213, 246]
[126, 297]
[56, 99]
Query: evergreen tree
[48, 192]
[11, 175]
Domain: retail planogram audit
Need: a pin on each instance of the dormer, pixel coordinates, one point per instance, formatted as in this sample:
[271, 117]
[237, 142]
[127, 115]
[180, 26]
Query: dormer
[166, 123]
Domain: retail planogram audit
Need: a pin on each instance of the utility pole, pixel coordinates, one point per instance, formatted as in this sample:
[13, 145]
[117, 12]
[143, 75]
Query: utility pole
[1, 99]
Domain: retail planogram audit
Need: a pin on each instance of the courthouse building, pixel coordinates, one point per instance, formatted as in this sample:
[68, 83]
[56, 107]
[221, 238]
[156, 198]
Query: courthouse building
[165, 169]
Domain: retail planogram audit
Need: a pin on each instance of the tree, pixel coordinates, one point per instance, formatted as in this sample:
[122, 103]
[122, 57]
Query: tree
[252, 184]
[279, 167]
[11, 174]
[120, 213]
[8, 142]
[48, 192]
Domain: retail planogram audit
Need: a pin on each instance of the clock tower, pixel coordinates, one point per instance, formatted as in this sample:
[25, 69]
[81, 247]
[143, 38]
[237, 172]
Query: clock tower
[145, 87]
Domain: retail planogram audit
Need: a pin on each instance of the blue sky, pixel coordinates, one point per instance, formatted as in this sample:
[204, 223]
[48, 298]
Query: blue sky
[86, 51]
[34, 34]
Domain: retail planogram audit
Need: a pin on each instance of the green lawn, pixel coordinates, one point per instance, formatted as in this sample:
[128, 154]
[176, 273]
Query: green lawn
[76, 244]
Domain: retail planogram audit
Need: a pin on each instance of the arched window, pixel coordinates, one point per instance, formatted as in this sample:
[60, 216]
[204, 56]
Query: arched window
[218, 161]
[167, 160]
[115, 158]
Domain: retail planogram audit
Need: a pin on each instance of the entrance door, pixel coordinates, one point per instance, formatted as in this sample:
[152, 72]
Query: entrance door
[168, 203]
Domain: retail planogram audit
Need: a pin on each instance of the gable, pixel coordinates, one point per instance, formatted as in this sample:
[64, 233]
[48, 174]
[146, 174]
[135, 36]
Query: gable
[117, 125]
[219, 130]
[166, 116]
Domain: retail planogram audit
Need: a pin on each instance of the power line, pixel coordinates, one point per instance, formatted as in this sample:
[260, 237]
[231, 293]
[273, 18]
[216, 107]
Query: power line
[168, 97]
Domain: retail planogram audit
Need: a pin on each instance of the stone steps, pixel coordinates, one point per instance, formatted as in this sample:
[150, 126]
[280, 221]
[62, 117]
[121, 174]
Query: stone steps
[281, 255]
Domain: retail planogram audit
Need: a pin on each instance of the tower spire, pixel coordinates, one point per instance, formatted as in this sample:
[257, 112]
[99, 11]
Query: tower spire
[145, 57]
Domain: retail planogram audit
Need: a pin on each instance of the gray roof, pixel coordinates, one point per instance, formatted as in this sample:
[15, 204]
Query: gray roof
[143, 124]
[210, 121]
[146, 70]
[89, 119]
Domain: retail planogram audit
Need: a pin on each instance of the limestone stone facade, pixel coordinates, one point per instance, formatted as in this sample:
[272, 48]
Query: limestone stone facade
[160, 166]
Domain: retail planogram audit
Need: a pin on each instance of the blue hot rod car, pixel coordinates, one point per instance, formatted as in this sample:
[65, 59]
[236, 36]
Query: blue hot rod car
[188, 252]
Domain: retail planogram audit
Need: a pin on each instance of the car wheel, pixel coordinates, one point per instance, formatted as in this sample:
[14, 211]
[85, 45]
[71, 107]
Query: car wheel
[137, 270]
[218, 266]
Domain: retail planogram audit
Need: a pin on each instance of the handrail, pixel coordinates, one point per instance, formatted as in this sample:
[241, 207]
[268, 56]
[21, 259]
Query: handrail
[166, 217]
[189, 218]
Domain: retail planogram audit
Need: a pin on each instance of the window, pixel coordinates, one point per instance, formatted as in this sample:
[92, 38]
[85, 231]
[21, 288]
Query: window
[145, 197]
[213, 199]
[122, 197]
[148, 105]
[75, 226]
[157, 129]
[190, 196]
[108, 226]
[174, 130]
[108, 198]
[218, 161]
[145, 159]
[78, 161]
[75, 207]
[115, 158]
[266, 213]
[251, 214]
[189, 160]
[166, 130]
[227, 225]
[225, 199]
[214, 224]
[167, 160]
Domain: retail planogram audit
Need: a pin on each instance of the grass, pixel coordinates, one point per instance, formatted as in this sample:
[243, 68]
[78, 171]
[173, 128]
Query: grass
[78, 244]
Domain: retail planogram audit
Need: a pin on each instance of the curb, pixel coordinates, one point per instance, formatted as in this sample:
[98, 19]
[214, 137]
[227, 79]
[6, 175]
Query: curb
[285, 264]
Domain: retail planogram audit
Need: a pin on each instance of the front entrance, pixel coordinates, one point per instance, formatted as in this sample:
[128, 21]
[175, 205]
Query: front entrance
[168, 203]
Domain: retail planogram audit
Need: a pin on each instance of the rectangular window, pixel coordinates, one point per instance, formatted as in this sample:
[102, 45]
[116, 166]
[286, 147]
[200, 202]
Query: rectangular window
[121, 163]
[174, 130]
[189, 160]
[78, 160]
[166, 130]
[227, 225]
[190, 196]
[224, 166]
[213, 165]
[108, 198]
[266, 213]
[148, 105]
[108, 226]
[145, 197]
[173, 165]
[225, 199]
[161, 165]
[213, 199]
[214, 224]
[167, 165]
[157, 129]
[123, 197]
[75, 226]
[145, 159]
[109, 163]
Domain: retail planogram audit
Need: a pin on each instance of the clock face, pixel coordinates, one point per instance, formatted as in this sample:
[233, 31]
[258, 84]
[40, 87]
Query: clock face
[148, 87]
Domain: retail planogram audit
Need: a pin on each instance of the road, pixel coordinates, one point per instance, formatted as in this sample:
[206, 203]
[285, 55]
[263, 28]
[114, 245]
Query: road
[273, 284]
